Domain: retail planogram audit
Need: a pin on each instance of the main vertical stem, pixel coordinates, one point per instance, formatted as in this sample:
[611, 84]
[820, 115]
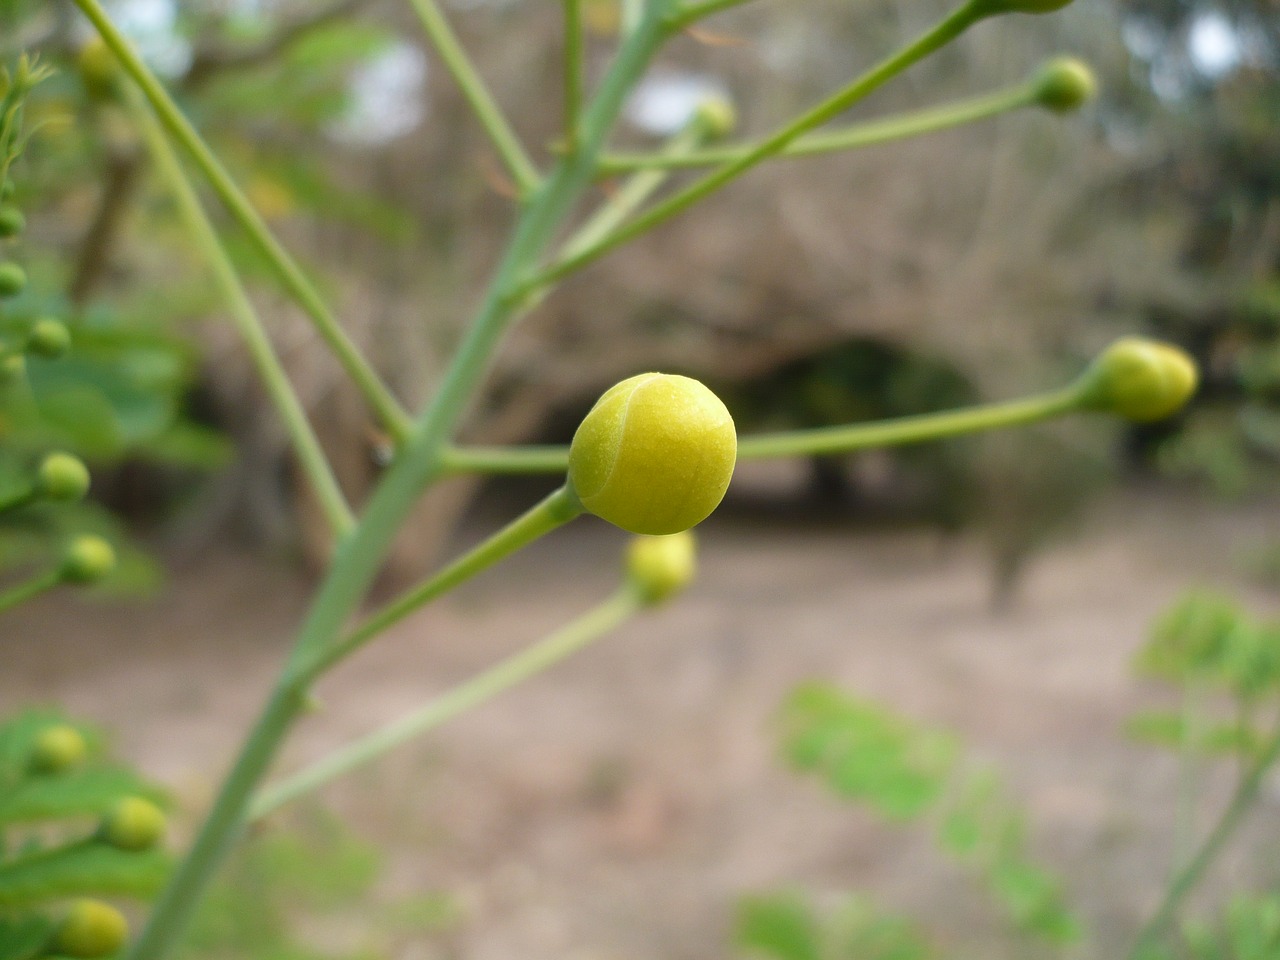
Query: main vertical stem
[418, 462]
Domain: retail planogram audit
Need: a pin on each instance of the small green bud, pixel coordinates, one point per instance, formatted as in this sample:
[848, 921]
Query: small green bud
[12, 368]
[49, 339]
[62, 477]
[91, 929]
[57, 749]
[135, 824]
[654, 455]
[1065, 84]
[12, 222]
[660, 567]
[99, 68]
[7, 190]
[1139, 379]
[88, 560]
[717, 116]
[12, 279]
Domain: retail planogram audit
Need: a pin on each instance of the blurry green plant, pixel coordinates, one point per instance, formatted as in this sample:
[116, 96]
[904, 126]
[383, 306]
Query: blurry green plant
[868, 755]
[72, 824]
[654, 456]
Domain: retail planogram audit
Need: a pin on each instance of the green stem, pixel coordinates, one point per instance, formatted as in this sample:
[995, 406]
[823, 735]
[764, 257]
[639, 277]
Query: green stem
[287, 270]
[692, 12]
[814, 442]
[20, 499]
[574, 48]
[418, 461]
[628, 198]
[868, 134]
[477, 95]
[32, 588]
[1184, 816]
[903, 430]
[942, 33]
[314, 463]
[471, 693]
[1185, 881]
[555, 510]
[172, 910]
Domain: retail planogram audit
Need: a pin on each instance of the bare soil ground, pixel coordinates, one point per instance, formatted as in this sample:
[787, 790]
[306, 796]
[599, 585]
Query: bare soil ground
[616, 807]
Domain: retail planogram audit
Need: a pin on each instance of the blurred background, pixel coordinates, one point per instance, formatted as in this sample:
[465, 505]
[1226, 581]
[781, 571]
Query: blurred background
[997, 585]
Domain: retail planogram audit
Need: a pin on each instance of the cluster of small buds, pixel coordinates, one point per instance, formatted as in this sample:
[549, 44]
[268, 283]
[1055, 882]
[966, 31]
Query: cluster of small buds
[654, 455]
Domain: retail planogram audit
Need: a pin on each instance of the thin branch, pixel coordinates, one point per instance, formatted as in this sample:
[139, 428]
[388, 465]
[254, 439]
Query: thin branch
[477, 94]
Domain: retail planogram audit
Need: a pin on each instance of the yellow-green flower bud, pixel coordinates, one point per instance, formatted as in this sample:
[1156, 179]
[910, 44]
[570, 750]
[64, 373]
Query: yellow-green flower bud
[57, 749]
[134, 824]
[90, 929]
[1065, 84]
[12, 368]
[48, 338]
[1139, 379]
[13, 279]
[88, 560]
[12, 222]
[717, 116]
[7, 190]
[654, 455]
[98, 68]
[660, 567]
[62, 477]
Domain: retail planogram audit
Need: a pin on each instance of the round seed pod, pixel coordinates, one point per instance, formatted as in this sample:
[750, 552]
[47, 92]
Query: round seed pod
[62, 477]
[90, 929]
[654, 455]
[7, 189]
[13, 279]
[1139, 379]
[99, 68]
[56, 749]
[12, 222]
[12, 368]
[717, 115]
[135, 824]
[48, 338]
[661, 567]
[88, 559]
[1065, 84]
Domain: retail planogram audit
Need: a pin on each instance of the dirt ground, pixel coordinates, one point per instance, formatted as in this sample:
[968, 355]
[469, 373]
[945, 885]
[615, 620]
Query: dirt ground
[616, 807]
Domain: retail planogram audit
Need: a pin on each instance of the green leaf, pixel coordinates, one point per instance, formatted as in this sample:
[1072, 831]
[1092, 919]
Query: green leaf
[86, 792]
[88, 867]
[781, 925]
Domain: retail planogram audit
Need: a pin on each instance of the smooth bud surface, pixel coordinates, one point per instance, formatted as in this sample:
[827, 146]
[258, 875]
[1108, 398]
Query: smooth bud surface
[1139, 379]
[1065, 84]
[49, 339]
[717, 116]
[12, 222]
[660, 567]
[91, 929]
[57, 748]
[13, 279]
[62, 477]
[654, 455]
[135, 824]
[88, 560]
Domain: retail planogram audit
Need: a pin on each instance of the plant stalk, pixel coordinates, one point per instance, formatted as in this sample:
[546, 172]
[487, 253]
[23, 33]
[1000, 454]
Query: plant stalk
[291, 276]
[1187, 878]
[310, 455]
[471, 693]
[31, 588]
